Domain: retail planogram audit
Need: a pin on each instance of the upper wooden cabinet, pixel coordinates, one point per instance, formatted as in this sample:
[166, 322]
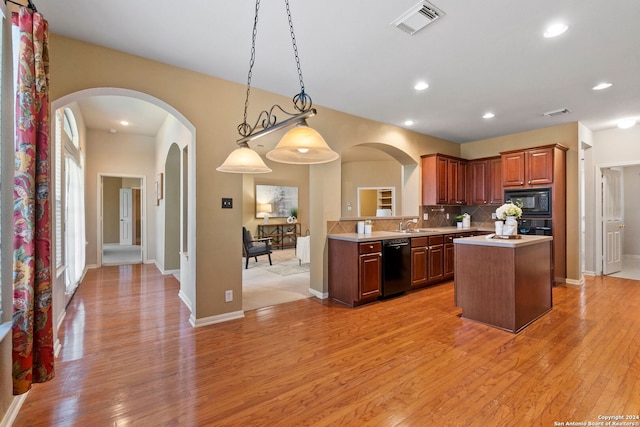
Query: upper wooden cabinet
[444, 180]
[529, 168]
[485, 181]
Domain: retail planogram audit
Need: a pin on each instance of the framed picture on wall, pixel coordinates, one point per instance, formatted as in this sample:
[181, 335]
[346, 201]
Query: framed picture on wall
[275, 201]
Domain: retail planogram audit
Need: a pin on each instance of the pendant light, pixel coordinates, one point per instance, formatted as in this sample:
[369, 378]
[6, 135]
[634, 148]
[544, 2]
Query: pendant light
[301, 145]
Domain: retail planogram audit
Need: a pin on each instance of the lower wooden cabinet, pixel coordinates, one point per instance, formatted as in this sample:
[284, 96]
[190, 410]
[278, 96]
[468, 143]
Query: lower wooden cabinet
[370, 267]
[419, 261]
[355, 271]
[436, 259]
[449, 256]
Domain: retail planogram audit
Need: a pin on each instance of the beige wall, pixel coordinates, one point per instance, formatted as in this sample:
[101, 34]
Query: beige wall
[284, 175]
[116, 155]
[369, 174]
[566, 135]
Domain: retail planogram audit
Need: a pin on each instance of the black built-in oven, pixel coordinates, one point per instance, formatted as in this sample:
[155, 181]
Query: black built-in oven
[535, 202]
[535, 226]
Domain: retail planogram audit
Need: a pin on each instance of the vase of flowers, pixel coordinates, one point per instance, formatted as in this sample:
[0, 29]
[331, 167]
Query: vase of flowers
[509, 213]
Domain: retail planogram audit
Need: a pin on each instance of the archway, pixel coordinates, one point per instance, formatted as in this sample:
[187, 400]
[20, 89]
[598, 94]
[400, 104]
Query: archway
[175, 123]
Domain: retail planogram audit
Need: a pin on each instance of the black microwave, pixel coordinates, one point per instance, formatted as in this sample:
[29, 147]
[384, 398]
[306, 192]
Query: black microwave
[535, 202]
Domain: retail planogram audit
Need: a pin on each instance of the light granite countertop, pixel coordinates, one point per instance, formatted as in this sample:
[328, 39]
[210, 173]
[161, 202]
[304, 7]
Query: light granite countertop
[386, 235]
[524, 240]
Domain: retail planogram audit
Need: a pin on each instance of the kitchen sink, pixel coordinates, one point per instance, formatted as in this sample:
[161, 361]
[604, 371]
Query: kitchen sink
[416, 230]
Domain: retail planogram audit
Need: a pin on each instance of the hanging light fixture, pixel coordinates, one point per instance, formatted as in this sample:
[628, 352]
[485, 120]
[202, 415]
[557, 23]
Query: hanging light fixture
[300, 145]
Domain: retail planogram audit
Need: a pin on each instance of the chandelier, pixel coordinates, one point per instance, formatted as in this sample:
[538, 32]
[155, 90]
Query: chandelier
[300, 145]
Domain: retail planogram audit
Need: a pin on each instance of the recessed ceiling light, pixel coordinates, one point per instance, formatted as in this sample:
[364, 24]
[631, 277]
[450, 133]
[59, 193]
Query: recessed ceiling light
[488, 116]
[555, 30]
[124, 123]
[421, 86]
[603, 85]
[408, 122]
[626, 123]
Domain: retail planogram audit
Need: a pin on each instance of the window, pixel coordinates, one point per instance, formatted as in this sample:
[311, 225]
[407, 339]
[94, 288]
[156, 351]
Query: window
[69, 220]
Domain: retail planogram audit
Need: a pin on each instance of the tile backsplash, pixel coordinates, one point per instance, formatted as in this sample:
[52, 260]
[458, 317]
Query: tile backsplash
[480, 217]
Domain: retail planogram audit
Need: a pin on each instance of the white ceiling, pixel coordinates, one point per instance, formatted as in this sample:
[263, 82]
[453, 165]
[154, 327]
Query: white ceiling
[481, 56]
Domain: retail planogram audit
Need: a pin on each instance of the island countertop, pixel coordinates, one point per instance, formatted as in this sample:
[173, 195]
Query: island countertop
[523, 240]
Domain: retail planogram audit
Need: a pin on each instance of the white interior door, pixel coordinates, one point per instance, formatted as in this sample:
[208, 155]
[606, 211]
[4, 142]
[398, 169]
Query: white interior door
[126, 220]
[613, 222]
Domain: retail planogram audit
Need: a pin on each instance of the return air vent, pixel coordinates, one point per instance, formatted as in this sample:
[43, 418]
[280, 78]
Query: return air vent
[556, 112]
[418, 17]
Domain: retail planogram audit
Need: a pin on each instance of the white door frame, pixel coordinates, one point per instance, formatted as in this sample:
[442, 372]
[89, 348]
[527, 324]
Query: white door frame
[143, 213]
[598, 219]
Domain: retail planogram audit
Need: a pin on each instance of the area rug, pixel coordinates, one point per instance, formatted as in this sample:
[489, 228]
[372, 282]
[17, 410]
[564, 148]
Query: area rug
[287, 268]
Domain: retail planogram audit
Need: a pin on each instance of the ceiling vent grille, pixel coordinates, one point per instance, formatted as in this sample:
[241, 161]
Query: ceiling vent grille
[556, 112]
[418, 17]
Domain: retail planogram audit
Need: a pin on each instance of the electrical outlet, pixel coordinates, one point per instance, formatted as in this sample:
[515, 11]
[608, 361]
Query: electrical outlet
[425, 216]
[227, 203]
[228, 296]
[447, 216]
[493, 215]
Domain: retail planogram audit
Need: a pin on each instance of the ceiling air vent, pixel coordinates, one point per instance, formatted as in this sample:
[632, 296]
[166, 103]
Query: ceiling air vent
[556, 112]
[418, 17]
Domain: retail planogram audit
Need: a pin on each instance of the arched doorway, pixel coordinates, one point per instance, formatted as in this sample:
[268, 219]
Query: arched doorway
[175, 127]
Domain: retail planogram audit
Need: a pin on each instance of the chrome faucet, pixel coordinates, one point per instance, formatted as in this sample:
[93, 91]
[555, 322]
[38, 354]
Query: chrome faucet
[407, 224]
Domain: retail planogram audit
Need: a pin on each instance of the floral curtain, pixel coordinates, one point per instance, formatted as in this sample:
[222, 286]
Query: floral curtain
[32, 292]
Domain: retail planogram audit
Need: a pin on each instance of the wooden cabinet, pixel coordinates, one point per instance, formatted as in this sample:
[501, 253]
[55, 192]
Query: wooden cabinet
[456, 182]
[282, 235]
[449, 256]
[419, 261]
[444, 180]
[370, 266]
[528, 168]
[435, 259]
[485, 182]
[543, 166]
[355, 271]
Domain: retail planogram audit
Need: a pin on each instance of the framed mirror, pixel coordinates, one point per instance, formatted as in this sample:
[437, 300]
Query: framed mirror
[376, 201]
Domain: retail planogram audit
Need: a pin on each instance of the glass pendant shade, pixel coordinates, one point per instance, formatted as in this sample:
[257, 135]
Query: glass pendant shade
[243, 160]
[302, 146]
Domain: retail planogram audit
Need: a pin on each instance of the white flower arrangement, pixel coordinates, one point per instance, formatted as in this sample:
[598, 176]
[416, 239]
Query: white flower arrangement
[508, 209]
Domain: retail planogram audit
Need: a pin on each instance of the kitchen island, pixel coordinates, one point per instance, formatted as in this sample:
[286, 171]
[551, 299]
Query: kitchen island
[504, 283]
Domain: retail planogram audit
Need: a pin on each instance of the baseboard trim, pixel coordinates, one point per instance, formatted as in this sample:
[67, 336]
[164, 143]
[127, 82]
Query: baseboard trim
[196, 323]
[317, 294]
[170, 272]
[13, 410]
[185, 300]
[589, 273]
[574, 282]
[631, 256]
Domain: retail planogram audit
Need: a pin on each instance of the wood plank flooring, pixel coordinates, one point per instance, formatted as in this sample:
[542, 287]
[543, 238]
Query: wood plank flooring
[130, 357]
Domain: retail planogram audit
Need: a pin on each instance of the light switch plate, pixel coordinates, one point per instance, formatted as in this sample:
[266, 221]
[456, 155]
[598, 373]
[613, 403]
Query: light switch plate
[425, 216]
[227, 203]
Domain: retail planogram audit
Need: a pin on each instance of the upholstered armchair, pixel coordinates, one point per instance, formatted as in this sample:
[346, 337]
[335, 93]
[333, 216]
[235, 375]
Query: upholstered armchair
[253, 248]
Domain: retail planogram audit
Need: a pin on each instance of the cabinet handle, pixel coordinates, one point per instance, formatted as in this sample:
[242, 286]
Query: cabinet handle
[370, 246]
[529, 182]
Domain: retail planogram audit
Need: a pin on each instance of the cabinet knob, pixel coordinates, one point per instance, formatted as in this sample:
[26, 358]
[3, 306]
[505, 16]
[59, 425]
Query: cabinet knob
[485, 202]
[370, 246]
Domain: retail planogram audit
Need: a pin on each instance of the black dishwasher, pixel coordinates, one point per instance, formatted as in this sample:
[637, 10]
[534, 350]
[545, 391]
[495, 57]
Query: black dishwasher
[396, 266]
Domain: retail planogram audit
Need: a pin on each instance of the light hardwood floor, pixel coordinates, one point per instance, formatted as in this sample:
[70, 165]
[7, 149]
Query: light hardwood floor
[130, 357]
